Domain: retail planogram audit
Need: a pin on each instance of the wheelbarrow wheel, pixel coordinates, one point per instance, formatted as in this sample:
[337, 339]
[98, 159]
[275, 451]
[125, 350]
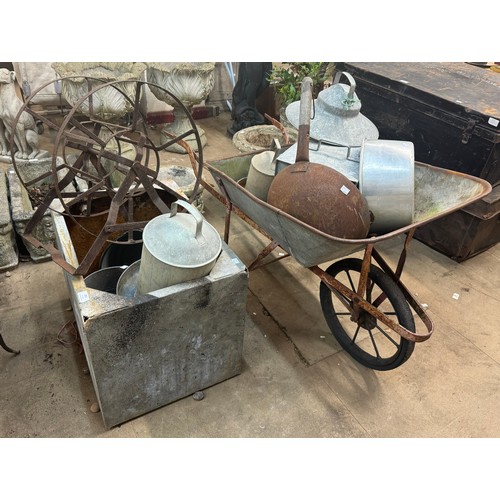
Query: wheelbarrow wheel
[367, 340]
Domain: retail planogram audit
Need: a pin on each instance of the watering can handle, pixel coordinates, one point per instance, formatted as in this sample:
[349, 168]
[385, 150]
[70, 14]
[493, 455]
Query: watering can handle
[352, 83]
[192, 210]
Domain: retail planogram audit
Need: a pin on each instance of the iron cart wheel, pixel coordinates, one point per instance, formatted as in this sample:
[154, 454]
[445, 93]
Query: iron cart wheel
[116, 157]
[102, 162]
[367, 340]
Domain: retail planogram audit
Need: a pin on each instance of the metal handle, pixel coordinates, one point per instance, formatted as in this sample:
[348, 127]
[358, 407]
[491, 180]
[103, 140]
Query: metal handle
[352, 83]
[304, 120]
[305, 101]
[193, 211]
[331, 143]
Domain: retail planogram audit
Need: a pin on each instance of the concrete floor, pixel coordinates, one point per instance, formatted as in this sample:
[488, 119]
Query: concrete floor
[296, 380]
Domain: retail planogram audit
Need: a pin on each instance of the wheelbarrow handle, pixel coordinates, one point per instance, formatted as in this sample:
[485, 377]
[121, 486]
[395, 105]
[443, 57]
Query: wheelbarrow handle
[304, 120]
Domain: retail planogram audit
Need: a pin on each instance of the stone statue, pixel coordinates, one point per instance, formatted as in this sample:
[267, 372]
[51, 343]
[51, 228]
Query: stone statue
[25, 137]
[4, 147]
[252, 81]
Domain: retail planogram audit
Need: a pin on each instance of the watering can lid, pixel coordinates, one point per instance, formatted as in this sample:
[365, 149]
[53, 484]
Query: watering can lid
[184, 240]
[336, 116]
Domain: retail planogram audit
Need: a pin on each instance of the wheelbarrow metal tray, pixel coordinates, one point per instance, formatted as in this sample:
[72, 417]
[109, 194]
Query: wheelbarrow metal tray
[438, 192]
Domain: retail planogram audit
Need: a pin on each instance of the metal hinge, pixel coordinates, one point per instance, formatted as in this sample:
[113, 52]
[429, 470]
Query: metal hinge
[467, 133]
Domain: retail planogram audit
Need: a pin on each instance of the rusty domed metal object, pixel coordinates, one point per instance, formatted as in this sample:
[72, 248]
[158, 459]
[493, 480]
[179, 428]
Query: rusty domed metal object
[322, 198]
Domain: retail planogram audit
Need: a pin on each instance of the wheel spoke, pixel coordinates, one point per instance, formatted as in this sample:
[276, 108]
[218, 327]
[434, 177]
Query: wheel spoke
[387, 335]
[356, 334]
[379, 299]
[87, 135]
[369, 289]
[40, 178]
[136, 113]
[374, 343]
[83, 196]
[175, 140]
[78, 168]
[346, 303]
[353, 288]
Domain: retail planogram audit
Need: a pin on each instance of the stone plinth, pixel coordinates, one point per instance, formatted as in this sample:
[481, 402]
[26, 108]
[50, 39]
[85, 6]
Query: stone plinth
[22, 209]
[8, 249]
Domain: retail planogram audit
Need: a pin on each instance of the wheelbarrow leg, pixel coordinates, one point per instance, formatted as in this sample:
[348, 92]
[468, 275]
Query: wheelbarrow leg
[228, 206]
[7, 348]
[227, 221]
[363, 281]
[257, 262]
[396, 277]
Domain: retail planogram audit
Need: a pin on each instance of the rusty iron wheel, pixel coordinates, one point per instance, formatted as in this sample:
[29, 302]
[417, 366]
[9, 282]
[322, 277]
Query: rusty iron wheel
[367, 340]
[117, 161]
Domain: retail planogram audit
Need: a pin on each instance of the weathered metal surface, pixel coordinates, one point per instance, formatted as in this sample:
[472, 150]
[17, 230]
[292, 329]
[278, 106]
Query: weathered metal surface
[148, 351]
[343, 159]
[322, 198]
[438, 192]
[177, 248]
[316, 194]
[387, 182]
[261, 174]
[98, 145]
[337, 117]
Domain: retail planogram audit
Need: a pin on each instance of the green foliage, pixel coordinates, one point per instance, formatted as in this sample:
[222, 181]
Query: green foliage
[287, 79]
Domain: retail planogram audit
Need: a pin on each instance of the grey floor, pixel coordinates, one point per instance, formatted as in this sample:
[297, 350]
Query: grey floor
[296, 380]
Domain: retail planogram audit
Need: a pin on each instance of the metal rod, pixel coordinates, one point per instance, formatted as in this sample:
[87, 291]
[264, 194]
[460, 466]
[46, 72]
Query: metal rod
[267, 250]
[6, 347]
[363, 280]
[408, 296]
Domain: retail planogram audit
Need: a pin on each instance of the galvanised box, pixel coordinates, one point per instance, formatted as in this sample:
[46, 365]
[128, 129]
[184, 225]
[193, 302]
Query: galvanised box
[148, 351]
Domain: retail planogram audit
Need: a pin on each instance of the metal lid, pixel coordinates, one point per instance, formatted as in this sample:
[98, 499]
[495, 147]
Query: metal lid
[336, 115]
[182, 240]
[127, 283]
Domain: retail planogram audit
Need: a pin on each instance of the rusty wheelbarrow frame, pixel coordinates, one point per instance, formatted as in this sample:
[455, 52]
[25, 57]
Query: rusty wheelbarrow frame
[311, 248]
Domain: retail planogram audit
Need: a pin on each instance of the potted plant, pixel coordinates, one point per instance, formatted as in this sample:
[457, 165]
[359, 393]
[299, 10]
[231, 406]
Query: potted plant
[286, 79]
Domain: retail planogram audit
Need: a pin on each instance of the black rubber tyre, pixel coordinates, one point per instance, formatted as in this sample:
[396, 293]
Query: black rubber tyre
[368, 341]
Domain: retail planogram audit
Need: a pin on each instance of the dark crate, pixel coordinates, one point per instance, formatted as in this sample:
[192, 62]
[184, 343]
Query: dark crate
[467, 232]
[451, 113]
